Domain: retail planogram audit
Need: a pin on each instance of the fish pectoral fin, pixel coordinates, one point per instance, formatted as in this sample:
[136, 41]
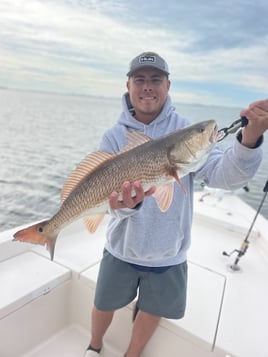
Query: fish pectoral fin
[34, 234]
[175, 175]
[85, 168]
[92, 222]
[164, 196]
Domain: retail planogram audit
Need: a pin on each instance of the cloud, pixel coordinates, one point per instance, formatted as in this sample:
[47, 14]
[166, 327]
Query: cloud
[221, 24]
[85, 46]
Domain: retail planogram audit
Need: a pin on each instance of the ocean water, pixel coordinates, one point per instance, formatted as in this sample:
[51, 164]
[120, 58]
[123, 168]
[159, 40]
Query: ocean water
[43, 137]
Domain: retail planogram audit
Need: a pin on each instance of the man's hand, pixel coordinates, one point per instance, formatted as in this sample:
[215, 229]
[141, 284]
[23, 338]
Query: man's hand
[127, 200]
[257, 114]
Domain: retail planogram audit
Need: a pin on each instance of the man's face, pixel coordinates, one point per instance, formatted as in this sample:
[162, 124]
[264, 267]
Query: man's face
[148, 89]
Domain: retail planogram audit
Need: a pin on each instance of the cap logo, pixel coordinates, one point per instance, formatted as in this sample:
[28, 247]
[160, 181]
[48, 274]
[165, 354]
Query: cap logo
[147, 59]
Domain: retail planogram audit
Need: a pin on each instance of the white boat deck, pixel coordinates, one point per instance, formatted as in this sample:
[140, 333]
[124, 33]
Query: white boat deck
[45, 307]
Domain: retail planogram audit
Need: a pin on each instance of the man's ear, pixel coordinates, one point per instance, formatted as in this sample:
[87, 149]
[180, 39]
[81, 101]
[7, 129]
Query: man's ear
[127, 84]
[169, 83]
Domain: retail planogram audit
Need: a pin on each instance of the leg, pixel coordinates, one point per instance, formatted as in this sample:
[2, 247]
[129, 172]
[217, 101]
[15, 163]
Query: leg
[143, 328]
[160, 294]
[116, 287]
[100, 322]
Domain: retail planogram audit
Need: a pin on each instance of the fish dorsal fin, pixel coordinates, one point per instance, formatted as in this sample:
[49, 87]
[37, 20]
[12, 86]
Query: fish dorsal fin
[92, 222]
[87, 166]
[134, 139]
[164, 196]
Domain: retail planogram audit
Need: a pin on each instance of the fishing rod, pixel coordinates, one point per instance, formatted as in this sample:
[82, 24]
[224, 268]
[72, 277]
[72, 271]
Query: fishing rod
[245, 244]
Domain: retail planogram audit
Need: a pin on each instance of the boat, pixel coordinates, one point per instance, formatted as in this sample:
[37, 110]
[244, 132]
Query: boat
[45, 305]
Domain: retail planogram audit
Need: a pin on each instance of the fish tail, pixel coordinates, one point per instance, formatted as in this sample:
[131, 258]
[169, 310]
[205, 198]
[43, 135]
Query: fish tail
[35, 235]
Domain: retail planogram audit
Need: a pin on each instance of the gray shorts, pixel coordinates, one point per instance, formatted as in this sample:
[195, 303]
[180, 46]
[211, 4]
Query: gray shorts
[161, 294]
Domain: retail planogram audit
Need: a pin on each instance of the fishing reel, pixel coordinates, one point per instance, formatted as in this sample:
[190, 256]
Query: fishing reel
[240, 252]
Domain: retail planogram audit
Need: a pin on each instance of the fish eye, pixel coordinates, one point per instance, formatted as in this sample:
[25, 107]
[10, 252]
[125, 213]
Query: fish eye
[40, 229]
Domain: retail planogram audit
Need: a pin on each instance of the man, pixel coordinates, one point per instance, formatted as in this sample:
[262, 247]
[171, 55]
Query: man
[146, 248]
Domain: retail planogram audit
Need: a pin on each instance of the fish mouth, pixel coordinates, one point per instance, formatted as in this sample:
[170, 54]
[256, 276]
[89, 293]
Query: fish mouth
[215, 134]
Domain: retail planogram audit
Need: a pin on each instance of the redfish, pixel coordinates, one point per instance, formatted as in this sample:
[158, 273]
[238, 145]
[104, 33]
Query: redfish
[157, 162]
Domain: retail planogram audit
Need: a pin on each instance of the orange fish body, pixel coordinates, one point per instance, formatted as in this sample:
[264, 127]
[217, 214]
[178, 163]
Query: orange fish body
[152, 162]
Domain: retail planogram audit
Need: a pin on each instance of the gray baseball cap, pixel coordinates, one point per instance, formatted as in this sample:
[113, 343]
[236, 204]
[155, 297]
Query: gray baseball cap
[148, 59]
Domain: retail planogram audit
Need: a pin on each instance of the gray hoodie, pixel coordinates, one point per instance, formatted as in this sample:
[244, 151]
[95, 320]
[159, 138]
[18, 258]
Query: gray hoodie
[145, 235]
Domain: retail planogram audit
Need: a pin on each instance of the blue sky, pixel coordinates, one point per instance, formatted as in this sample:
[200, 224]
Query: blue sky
[217, 50]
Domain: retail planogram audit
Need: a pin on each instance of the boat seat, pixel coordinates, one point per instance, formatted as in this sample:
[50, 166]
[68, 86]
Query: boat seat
[25, 277]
